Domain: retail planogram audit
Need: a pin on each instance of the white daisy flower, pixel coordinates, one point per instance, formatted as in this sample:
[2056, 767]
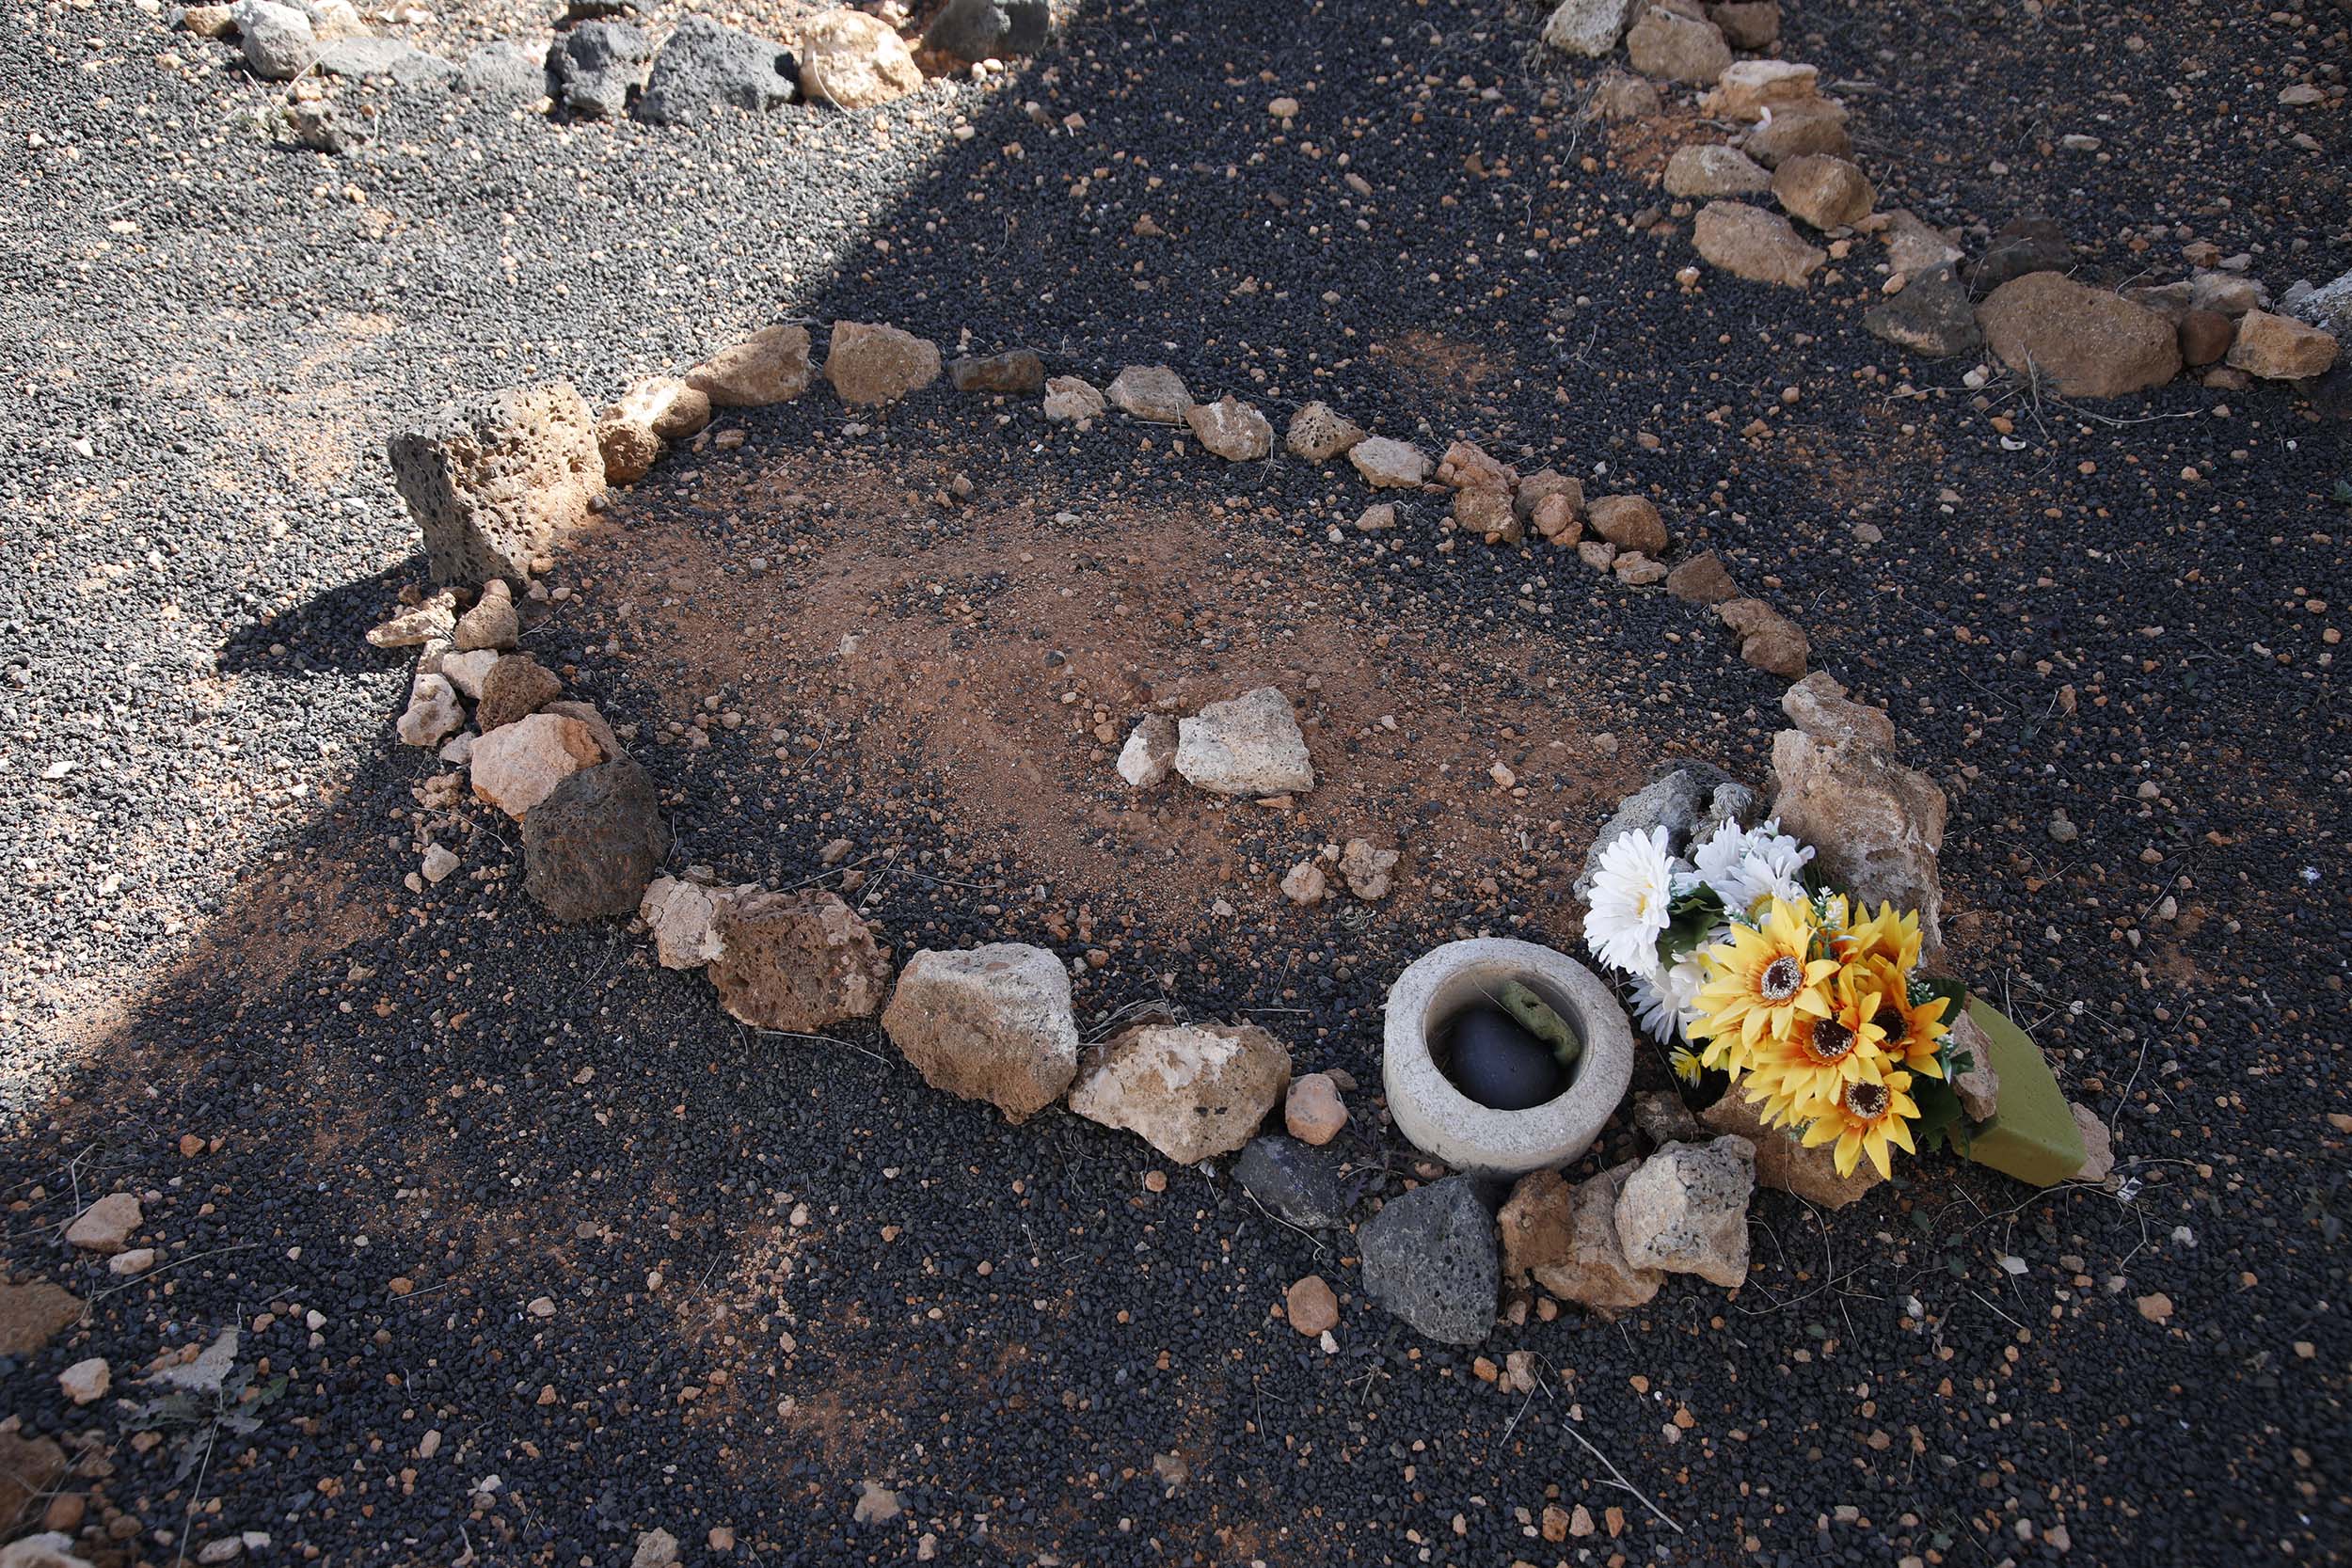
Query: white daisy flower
[1632, 896]
[1655, 1010]
[1743, 866]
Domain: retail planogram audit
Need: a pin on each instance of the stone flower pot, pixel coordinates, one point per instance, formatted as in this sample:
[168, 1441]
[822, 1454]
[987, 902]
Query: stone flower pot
[1446, 1124]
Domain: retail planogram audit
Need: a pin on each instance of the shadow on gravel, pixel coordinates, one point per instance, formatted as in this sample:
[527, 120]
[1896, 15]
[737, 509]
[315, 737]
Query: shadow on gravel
[316, 634]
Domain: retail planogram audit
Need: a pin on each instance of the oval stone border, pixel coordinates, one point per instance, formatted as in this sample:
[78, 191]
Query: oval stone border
[1440, 1120]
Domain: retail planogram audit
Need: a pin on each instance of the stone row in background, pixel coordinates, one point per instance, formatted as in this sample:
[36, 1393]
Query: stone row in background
[1791, 142]
[603, 62]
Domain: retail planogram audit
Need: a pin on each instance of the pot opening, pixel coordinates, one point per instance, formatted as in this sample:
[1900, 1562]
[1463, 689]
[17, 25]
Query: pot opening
[1504, 1040]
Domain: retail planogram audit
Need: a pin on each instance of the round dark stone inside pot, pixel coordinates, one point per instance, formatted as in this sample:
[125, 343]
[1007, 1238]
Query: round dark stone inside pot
[1493, 1059]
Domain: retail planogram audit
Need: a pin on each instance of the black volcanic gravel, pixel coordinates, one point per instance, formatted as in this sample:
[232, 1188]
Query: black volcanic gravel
[780, 1269]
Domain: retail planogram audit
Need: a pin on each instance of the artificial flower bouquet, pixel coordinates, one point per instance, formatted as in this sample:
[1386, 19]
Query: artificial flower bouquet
[1739, 962]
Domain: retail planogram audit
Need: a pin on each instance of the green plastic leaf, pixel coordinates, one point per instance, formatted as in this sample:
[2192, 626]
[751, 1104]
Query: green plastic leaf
[1940, 1120]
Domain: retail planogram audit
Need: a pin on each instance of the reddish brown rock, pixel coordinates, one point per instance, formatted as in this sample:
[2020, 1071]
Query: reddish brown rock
[1702, 580]
[516, 686]
[1782, 1161]
[798, 961]
[2279, 348]
[34, 1313]
[1628, 522]
[2205, 337]
[2085, 342]
[1768, 640]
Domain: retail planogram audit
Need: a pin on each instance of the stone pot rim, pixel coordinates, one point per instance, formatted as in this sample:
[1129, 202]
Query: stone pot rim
[1440, 1120]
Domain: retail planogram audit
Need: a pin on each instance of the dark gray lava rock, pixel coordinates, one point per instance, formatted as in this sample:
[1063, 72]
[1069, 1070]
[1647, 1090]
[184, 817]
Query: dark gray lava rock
[1293, 1182]
[404, 64]
[2028, 244]
[704, 65]
[1690, 801]
[1016, 370]
[1932, 316]
[1429, 1256]
[506, 68]
[591, 846]
[598, 65]
[989, 30]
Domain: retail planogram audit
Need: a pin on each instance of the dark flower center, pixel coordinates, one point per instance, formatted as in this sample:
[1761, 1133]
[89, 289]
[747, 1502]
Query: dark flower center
[1867, 1100]
[1892, 1023]
[1781, 978]
[1832, 1041]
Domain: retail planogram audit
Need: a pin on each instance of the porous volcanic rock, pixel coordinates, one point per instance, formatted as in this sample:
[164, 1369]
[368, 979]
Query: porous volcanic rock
[1586, 28]
[704, 65]
[516, 686]
[797, 961]
[1318, 433]
[1685, 1209]
[593, 845]
[1246, 745]
[596, 65]
[495, 482]
[1429, 1256]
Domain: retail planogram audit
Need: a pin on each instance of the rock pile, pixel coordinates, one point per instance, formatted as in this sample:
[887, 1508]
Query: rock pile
[1791, 142]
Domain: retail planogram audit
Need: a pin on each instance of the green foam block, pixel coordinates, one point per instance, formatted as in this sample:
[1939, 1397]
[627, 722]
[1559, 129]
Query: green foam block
[2032, 1136]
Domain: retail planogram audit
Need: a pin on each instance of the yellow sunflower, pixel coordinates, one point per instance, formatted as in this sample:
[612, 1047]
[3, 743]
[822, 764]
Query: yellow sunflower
[1911, 1035]
[1760, 981]
[1867, 1114]
[1885, 936]
[1796, 1078]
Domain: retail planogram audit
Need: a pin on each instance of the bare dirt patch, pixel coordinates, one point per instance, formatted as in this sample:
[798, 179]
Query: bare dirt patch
[1000, 651]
